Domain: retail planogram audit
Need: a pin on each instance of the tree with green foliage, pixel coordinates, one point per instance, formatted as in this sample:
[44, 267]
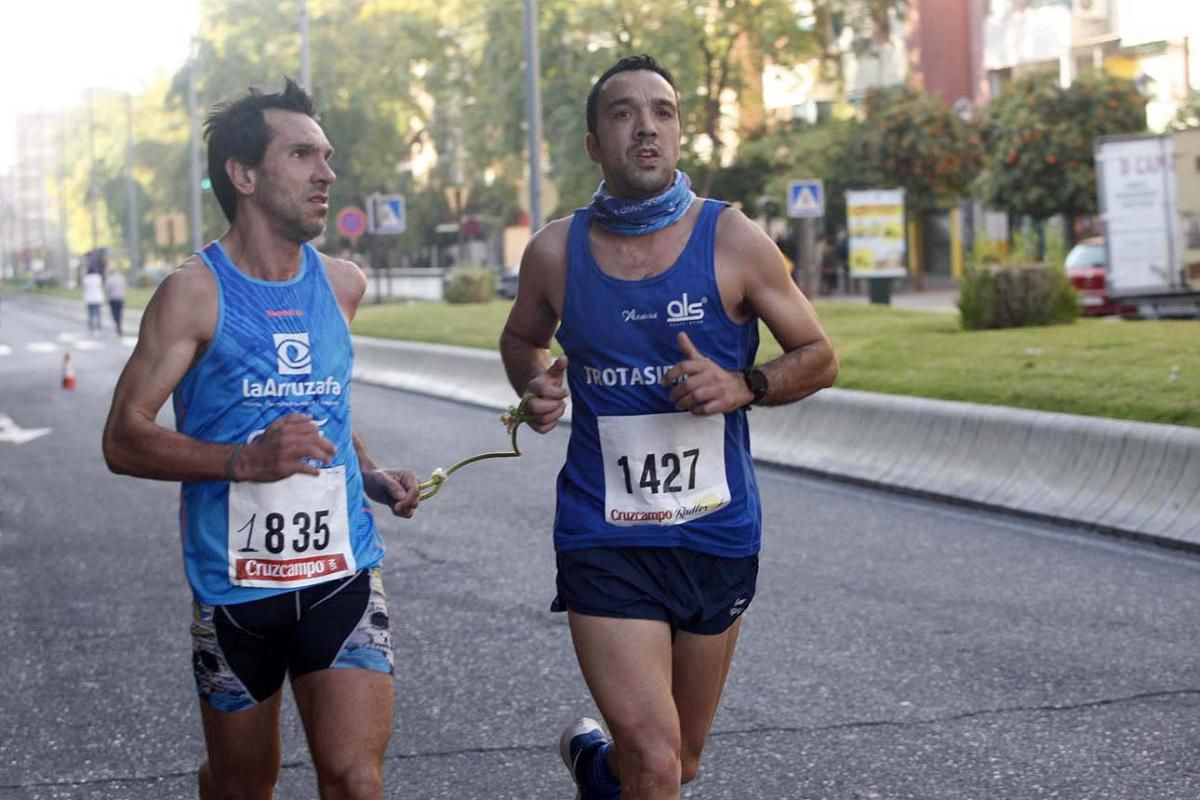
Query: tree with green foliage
[406, 85]
[711, 47]
[1038, 141]
[905, 138]
[1188, 114]
[912, 140]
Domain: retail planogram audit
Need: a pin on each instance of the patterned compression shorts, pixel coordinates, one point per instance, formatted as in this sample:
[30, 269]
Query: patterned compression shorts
[242, 652]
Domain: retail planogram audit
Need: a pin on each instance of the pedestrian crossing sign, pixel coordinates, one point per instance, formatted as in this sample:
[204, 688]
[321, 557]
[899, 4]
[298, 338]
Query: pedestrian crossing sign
[385, 214]
[806, 198]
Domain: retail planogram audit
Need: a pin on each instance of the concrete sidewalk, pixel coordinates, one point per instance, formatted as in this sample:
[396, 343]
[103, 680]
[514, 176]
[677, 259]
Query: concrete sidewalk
[941, 299]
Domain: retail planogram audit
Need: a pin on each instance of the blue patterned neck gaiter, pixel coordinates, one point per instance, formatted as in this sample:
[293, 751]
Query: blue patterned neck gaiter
[639, 217]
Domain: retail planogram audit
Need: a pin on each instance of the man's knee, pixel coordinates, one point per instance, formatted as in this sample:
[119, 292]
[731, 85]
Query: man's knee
[361, 781]
[241, 786]
[655, 760]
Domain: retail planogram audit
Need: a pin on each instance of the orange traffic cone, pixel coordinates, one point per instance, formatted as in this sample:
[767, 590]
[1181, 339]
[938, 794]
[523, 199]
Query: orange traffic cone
[68, 376]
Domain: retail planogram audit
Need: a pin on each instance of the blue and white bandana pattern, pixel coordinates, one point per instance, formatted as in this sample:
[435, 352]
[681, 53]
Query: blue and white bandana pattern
[639, 217]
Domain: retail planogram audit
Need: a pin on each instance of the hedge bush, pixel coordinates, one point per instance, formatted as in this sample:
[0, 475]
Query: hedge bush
[998, 296]
[470, 285]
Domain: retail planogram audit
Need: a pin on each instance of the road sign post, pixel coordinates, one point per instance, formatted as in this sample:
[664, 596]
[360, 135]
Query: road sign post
[352, 223]
[386, 214]
[806, 202]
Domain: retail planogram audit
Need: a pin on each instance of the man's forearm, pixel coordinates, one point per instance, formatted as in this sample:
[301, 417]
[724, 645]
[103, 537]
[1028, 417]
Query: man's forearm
[144, 449]
[799, 373]
[523, 361]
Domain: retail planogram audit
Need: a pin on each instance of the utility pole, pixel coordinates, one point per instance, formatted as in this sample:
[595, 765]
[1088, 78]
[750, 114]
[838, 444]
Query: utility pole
[63, 222]
[135, 256]
[91, 190]
[533, 112]
[194, 150]
[305, 70]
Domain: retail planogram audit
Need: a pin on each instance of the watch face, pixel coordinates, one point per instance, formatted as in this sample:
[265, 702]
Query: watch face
[756, 381]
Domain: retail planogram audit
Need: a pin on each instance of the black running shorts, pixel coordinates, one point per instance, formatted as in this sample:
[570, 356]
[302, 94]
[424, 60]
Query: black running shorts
[241, 653]
[691, 591]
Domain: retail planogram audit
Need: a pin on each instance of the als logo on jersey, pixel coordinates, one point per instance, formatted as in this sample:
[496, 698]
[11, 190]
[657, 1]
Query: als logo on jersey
[292, 353]
[682, 311]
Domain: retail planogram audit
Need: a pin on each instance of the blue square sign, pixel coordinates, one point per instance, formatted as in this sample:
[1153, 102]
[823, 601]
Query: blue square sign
[806, 198]
[386, 213]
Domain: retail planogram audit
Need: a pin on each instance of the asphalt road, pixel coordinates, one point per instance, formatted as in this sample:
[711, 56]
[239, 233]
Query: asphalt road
[897, 648]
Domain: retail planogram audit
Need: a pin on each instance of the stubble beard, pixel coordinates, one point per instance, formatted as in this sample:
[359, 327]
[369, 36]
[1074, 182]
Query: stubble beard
[292, 222]
[641, 185]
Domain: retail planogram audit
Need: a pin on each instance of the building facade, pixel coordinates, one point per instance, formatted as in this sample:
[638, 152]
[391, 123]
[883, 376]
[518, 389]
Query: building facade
[37, 210]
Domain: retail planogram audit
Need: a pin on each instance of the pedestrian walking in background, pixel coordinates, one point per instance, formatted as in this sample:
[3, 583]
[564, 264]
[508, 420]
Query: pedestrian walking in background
[841, 252]
[93, 298]
[115, 287]
[827, 264]
[655, 296]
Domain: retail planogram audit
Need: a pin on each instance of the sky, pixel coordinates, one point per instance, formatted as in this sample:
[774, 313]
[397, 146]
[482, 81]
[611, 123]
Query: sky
[51, 51]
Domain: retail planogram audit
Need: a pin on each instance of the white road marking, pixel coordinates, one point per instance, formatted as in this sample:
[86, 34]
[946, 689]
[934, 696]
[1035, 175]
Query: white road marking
[12, 432]
[87, 344]
[42, 347]
[5, 350]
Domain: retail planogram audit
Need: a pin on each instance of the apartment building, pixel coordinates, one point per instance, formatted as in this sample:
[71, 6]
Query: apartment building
[36, 205]
[1152, 42]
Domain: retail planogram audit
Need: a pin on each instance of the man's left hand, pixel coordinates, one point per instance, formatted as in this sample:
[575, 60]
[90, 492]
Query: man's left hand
[398, 489]
[701, 386]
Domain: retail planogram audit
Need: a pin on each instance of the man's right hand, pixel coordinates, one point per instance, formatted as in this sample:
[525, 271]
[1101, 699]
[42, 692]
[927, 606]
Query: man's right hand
[284, 450]
[548, 401]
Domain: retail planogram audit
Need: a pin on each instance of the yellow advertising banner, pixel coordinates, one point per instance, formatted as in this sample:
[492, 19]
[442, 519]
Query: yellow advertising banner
[876, 229]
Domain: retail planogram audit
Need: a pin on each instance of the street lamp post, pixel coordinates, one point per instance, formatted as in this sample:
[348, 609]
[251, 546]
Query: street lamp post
[135, 256]
[305, 70]
[194, 150]
[533, 111]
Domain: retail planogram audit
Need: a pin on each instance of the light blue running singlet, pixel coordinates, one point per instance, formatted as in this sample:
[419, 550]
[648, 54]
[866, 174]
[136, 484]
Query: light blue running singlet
[638, 473]
[278, 347]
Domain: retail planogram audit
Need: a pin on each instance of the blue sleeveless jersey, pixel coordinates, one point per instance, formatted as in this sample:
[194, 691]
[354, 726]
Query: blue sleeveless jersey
[278, 347]
[637, 472]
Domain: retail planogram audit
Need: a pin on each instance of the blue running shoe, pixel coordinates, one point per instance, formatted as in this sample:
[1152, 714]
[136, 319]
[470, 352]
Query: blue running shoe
[578, 742]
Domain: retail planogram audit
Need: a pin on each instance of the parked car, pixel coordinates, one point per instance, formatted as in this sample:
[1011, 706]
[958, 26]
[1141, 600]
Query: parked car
[1088, 273]
[506, 286]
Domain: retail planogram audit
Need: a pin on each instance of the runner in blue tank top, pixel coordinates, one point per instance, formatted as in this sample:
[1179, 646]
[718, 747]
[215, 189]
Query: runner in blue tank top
[655, 298]
[251, 337]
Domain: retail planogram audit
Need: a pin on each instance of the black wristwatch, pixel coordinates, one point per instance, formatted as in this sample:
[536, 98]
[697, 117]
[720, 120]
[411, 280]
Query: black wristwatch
[756, 382]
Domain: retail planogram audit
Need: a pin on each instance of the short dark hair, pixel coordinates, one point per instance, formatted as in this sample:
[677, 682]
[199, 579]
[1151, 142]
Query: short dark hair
[237, 128]
[627, 64]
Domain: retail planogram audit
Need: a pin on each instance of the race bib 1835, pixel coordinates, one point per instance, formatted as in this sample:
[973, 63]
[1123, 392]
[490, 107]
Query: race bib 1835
[290, 533]
[663, 469]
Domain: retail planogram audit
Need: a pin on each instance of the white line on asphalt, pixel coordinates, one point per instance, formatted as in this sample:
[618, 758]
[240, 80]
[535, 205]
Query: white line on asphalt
[12, 432]
[68, 337]
[41, 347]
[5, 350]
[87, 344]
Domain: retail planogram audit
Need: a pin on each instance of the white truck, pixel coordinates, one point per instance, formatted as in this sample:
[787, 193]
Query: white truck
[1149, 193]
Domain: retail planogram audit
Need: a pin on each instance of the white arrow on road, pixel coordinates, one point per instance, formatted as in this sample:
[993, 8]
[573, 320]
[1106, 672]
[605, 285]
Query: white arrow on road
[12, 432]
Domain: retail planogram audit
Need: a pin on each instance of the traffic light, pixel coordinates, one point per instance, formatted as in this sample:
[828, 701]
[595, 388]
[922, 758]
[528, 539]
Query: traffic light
[205, 184]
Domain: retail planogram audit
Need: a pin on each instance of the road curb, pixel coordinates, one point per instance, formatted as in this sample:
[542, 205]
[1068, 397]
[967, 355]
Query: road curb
[1132, 479]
